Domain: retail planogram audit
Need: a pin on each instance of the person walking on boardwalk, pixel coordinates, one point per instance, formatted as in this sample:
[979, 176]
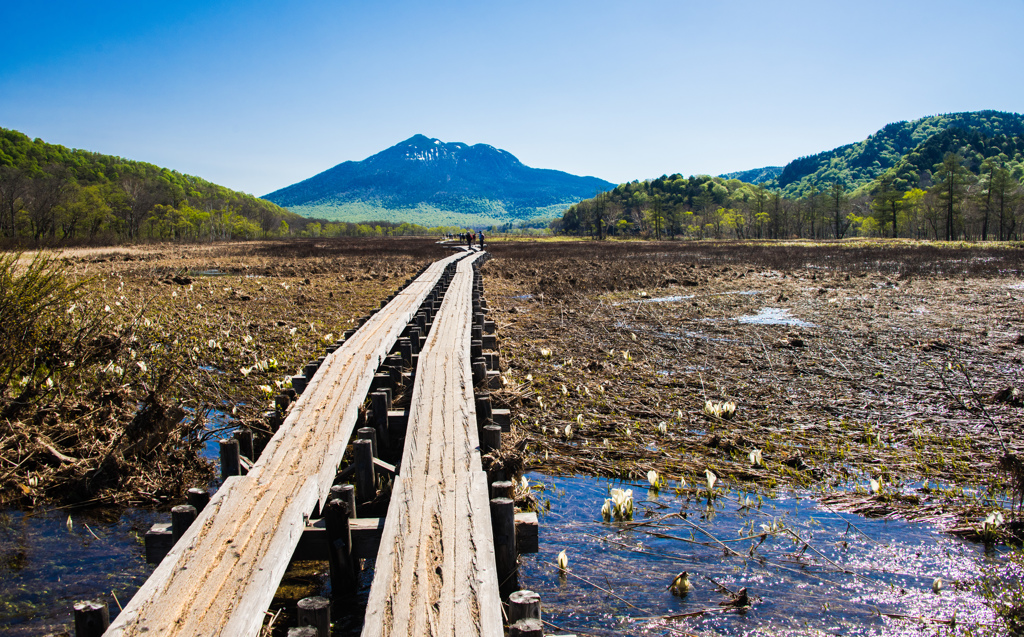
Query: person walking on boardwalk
[481, 239]
[469, 239]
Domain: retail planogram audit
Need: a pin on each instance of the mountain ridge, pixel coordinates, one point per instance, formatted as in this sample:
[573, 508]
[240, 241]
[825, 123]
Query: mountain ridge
[425, 176]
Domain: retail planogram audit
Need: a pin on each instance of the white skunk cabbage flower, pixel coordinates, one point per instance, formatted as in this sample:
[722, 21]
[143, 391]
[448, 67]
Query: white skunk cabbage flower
[712, 409]
[563, 561]
[876, 485]
[663, 427]
[728, 410]
[565, 392]
[606, 511]
[579, 419]
[937, 585]
[545, 353]
[755, 458]
[622, 503]
[711, 477]
[652, 478]
[632, 336]
[568, 432]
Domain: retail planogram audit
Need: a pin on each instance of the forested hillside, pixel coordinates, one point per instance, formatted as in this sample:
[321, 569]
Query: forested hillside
[944, 177]
[52, 193]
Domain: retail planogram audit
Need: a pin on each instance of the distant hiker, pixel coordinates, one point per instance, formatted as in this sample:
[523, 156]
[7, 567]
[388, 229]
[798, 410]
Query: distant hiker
[481, 239]
[469, 239]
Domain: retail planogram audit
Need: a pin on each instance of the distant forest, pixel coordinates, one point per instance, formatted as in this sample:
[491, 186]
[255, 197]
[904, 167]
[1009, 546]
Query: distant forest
[50, 194]
[954, 176]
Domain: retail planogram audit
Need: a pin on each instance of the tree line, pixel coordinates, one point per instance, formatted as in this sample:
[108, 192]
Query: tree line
[52, 194]
[956, 199]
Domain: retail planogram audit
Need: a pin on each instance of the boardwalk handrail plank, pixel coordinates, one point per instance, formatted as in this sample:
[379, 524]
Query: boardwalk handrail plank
[435, 572]
[221, 576]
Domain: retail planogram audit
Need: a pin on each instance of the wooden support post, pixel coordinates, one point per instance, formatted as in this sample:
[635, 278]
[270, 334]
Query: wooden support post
[476, 349]
[299, 383]
[414, 339]
[182, 517]
[310, 370]
[477, 332]
[281, 402]
[91, 618]
[366, 480]
[526, 628]
[491, 439]
[198, 498]
[479, 372]
[244, 438]
[379, 404]
[503, 523]
[502, 489]
[347, 494]
[303, 631]
[159, 541]
[369, 433]
[316, 612]
[527, 532]
[229, 464]
[483, 410]
[339, 535]
[523, 605]
[405, 347]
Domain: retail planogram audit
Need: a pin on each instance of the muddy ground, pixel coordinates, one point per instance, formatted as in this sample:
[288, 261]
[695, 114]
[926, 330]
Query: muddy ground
[848, 362]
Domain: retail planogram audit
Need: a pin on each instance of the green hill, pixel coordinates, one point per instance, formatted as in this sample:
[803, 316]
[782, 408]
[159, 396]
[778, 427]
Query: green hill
[50, 192]
[913, 148]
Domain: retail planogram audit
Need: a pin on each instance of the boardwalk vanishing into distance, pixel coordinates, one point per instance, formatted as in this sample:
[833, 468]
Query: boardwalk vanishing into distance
[435, 571]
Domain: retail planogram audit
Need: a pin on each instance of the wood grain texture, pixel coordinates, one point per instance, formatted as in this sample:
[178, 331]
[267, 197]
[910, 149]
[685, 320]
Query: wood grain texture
[222, 575]
[435, 571]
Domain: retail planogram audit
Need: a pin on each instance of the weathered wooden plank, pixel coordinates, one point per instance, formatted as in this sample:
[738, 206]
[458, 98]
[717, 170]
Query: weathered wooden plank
[435, 573]
[222, 575]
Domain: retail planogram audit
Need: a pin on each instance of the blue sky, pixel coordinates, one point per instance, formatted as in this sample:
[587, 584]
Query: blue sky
[257, 95]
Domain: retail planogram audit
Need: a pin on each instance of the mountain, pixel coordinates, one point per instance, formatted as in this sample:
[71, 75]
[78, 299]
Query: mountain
[426, 181]
[756, 175]
[911, 149]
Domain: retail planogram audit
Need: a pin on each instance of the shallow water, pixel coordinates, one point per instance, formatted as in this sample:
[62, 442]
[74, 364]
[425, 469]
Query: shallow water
[773, 316]
[852, 574]
[45, 566]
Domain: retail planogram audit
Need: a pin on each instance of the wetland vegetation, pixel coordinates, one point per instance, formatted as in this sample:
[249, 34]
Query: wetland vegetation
[876, 387]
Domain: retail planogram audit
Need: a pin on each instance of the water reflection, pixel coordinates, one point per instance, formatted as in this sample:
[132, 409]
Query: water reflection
[819, 571]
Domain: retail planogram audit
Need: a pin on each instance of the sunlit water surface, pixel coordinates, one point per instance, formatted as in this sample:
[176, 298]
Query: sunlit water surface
[854, 577]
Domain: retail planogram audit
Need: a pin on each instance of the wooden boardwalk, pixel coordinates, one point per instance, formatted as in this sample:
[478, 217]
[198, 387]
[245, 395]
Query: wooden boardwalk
[221, 576]
[435, 572]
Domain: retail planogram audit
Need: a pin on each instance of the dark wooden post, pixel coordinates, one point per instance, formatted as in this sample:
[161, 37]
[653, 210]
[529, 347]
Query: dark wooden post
[523, 605]
[369, 433]
[347, 494]
[503, 523]
[299, 383]
[366, 480]
[229, 464]
[526, 628]
[502, 489]
[491, 438]
[244, 438]
[182, 517]
[91, 618]
[198, 498]
[379, 404]
[483, 411]
[339, 534]
[316, 612]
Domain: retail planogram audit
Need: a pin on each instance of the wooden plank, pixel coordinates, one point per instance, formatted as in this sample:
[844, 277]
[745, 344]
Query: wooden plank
[435, 571]
[222, 575]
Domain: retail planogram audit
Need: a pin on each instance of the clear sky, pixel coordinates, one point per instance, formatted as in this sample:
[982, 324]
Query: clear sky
[256, 95]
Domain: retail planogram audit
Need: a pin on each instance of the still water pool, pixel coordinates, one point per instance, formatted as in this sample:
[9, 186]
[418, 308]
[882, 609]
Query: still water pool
[823, 573]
